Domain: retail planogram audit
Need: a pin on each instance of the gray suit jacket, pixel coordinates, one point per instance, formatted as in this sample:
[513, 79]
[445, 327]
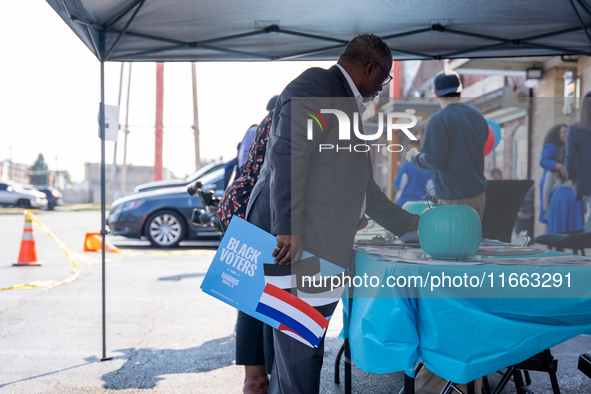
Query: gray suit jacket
[319, 194]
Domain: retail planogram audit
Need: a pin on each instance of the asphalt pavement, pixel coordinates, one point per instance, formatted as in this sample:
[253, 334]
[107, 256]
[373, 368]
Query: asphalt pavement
[164, 334]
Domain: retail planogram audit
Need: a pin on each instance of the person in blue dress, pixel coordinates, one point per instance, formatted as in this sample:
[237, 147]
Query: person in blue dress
[555, 139]
[564, 212]
[411, 183]
[578, 154]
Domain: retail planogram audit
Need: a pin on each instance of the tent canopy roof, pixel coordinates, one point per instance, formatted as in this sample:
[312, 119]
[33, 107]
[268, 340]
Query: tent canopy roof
[239, 30]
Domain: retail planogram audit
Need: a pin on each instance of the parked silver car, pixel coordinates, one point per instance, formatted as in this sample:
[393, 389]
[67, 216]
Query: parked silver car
[14, 194]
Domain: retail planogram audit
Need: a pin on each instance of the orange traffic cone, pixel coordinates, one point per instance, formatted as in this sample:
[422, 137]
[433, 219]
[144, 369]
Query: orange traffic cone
[28, 253]
[94, 242]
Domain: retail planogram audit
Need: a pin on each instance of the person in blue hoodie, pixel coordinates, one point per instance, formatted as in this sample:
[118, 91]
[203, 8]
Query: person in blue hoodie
[578, 154]
[411, 183]
[453, 149]
[555, 140]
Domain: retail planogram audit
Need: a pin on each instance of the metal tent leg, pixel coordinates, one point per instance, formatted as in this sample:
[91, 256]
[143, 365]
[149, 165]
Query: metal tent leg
[103, 214]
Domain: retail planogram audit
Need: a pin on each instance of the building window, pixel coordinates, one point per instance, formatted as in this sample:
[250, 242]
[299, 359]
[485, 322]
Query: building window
[500, 152]
[520, 154]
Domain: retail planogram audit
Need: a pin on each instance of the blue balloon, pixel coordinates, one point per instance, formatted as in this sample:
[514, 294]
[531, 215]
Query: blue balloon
[497, 130]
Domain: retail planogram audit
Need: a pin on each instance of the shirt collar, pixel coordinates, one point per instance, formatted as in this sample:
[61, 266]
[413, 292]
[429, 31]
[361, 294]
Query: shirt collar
[354, 89]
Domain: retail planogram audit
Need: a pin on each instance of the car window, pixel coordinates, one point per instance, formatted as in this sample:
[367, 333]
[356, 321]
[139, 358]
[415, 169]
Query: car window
[210, 168]
[3, 186]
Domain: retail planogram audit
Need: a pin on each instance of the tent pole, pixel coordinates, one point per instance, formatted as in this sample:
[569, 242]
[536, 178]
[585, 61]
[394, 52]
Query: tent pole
[103, 227]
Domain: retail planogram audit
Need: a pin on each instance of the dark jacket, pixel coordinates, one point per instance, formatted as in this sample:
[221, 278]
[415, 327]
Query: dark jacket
[320, 194]
[578, 160]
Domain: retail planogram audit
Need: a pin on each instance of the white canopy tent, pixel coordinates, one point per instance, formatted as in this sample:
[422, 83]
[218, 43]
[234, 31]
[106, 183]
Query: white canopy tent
[272, 30]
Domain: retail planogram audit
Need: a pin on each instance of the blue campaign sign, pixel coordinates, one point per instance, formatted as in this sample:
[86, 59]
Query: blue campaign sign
[236, 274]
[243, 275]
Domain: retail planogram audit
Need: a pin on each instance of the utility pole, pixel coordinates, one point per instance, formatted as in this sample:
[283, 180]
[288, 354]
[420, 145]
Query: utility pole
[196, 118]
[159, 121]
[10, 163]
[124, 176]
[114, 168]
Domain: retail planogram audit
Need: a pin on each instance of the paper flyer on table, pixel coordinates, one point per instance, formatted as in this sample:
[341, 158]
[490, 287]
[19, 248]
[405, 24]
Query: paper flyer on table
[243, 275]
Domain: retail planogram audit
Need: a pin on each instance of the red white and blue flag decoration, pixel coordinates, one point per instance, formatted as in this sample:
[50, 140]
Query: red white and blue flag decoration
[294, 315]
[298, 300]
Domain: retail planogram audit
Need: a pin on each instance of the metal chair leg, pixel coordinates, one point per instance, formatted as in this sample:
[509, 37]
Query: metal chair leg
[527, 378]
[337, 364]
[518, 381]
[409, 384]
[486, 385]
[347, 366]
[504, 380]
[552, 372]
[448, 388]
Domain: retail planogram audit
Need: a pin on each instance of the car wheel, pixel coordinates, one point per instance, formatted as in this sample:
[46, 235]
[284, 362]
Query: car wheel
[165, 229]
[23, 204]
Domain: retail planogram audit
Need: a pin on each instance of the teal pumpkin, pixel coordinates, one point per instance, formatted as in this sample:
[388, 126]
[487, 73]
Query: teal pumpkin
[416, 206]
[450, 231]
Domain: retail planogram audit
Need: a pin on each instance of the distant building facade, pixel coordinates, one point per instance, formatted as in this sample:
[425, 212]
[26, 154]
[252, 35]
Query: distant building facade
[136, 175]
[10, 171]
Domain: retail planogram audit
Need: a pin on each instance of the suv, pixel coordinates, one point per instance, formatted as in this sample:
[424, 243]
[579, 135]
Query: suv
[54, 196]
[14, 194]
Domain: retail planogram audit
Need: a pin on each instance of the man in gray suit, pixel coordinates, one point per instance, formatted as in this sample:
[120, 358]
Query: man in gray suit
[314, 199]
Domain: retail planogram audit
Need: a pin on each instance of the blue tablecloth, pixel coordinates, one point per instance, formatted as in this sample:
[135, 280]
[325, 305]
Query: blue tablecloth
[459, 339]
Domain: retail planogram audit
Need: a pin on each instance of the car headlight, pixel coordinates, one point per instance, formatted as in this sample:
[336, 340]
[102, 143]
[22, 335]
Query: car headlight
[131, 205]
[56, 194]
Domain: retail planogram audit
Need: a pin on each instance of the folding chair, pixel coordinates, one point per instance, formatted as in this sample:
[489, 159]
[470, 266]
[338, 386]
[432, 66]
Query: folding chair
[585, 363]
[449, 388]
[541, 362]
[576, 240]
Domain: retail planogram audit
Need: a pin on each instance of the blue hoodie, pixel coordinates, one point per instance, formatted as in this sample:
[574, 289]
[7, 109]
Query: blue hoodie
[454, 151]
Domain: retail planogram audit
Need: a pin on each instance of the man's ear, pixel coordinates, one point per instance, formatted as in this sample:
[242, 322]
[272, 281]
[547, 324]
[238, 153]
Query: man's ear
[369, 69]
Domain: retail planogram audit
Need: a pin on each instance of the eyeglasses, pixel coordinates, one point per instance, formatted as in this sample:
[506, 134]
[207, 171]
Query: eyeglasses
[388, 78]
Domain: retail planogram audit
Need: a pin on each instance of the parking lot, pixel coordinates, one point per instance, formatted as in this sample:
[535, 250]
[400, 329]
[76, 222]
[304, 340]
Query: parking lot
[165, 335]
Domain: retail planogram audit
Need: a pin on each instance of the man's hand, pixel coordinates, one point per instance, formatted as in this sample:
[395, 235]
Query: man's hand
[363, 222]
[412, 152]
[289, 249]
[415, 223]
